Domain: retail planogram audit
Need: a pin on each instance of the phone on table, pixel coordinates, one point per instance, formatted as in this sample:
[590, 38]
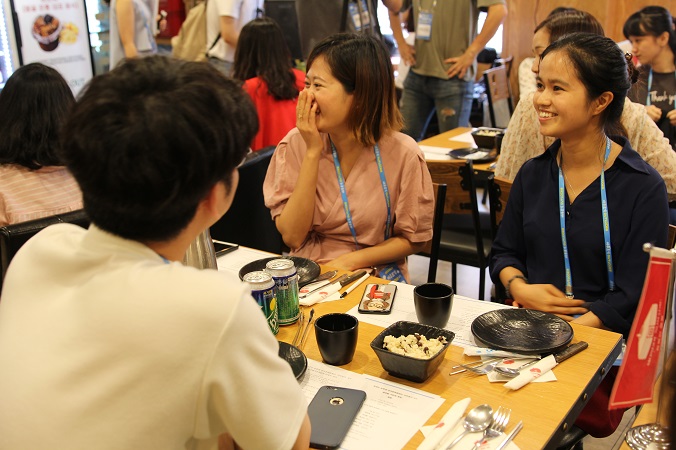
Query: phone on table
[222, 247]
[377, 299]
[331, 412]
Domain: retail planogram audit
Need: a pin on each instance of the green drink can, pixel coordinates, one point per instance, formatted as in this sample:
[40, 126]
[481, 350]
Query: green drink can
[284, 274]
[263, 291]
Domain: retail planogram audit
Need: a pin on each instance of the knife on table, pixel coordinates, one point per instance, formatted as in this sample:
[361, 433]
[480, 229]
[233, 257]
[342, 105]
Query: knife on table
[332, 288]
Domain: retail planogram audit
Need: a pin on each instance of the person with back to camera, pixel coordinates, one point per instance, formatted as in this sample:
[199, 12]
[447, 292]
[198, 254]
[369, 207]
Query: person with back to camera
[33, 182]
[117, 337]
[651, 33]
[263, 62]
[589, 181]
[347, 140]
[523, 139]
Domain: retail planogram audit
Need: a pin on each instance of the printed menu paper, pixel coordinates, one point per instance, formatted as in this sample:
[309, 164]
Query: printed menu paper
[391, 414]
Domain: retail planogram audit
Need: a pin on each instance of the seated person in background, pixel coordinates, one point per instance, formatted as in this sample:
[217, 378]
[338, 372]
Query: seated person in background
[263, 62]
[551, 252]
[525, 74]
[107, 334]
[345, 187]
[523, 140]
[33, 182]
[651, 32]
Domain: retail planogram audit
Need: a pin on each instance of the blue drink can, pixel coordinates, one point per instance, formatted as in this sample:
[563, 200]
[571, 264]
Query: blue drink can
[263, 290]
[284, 274]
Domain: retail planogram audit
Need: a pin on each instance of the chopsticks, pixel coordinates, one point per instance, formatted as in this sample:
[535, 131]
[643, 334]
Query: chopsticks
[307, 328]
[300, 325]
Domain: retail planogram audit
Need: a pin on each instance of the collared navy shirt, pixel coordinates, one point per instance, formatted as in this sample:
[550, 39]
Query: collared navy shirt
[529, 237]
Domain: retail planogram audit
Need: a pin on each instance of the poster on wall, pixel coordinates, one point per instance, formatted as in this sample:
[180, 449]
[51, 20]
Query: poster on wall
[55, 33]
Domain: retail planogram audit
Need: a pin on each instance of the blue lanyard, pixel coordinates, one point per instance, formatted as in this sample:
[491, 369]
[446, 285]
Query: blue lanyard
[606, 227]
[343, 193]
[650, 85]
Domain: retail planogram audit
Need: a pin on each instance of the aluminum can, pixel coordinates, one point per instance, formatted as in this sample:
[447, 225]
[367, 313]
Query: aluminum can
[263, 290]
[284, 274]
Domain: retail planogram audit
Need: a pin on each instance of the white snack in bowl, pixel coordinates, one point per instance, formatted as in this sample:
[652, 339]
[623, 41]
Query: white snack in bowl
[414, 345]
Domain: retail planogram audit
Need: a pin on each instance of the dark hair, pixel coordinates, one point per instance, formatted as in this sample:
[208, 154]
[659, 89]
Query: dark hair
[362, 65]
[262, 52]
[653, 21]
[33, 107]
[148, 140]
[561, 9]
[567, 22]
[601, 67]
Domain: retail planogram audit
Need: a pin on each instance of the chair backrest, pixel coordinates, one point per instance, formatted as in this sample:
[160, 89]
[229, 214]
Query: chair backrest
[499, 96]
[671, 241]
[248, 221]
[499, 189]
[12, 237]
[432, 247]
[507, 62]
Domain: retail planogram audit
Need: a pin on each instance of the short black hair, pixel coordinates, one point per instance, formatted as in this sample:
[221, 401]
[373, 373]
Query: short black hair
[148, 140]
[34, 105]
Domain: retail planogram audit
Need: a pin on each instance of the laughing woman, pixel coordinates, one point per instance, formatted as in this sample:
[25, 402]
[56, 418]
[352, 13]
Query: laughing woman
[345, 187]
[571, 239]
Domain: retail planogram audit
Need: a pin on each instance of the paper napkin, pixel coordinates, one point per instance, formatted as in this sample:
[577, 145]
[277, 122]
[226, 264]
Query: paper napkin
[531, 373]
[440, 430]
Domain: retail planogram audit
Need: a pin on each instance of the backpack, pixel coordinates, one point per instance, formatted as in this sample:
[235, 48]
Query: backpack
[190, 43]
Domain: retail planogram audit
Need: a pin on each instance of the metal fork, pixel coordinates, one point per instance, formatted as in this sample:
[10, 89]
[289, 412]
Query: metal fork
[481, 370]
[500, 420]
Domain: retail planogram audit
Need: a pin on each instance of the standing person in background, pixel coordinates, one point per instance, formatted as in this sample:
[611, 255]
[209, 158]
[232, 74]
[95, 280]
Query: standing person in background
[318, 19]
[133, 27]
[33, 182]
[444, 60]
[653, 39]
[523, 139]
[225, 20]
[263, 62]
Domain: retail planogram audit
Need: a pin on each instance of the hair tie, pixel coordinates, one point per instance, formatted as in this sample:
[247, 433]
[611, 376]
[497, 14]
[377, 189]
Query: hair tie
[628, 56]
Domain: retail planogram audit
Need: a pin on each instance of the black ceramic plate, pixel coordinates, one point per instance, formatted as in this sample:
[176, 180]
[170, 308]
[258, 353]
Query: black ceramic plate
[294, 357]
[307, 269]
[466, 153]
[522, 331]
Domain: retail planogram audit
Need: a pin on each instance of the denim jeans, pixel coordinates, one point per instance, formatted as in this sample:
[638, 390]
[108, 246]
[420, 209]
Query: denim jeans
[226, 67]
[422, 94]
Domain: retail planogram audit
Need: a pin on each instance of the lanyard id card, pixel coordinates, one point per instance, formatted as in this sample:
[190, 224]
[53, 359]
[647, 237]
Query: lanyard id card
[356, 17]
[365, 15]
[424, 29]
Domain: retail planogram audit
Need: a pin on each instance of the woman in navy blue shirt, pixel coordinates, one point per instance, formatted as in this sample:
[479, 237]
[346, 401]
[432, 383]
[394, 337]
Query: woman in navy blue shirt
[551, 252]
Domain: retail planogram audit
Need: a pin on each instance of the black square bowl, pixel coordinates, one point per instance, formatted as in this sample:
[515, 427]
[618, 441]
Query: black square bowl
[484, 137]
[406, 367]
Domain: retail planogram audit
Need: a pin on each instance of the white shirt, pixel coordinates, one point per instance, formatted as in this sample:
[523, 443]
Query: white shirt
[103, 345]
[243, 11]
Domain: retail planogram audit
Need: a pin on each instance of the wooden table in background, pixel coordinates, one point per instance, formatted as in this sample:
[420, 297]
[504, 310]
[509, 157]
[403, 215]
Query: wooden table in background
[445, 140]
[547, 409]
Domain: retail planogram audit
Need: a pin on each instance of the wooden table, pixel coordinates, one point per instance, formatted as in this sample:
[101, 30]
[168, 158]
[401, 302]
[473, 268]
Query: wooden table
[547, 409]
[445, 140]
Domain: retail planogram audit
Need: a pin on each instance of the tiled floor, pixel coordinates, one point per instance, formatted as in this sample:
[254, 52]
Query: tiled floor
[468, 286]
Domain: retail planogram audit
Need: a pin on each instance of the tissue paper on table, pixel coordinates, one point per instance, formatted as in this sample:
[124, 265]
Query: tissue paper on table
[483, 351]
[495, 377]
[434, 434]
[532, 373]
[313, 298]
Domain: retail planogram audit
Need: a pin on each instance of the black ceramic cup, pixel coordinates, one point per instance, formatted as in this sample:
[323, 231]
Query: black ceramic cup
[337, 337]
[433, 302]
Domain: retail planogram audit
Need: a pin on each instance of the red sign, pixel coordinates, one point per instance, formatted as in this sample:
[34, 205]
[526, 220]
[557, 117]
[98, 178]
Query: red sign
[636, 377]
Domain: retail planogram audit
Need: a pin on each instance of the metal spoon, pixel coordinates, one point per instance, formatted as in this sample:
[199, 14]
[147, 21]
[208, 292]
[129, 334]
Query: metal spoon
[477, 419]
[513, 373]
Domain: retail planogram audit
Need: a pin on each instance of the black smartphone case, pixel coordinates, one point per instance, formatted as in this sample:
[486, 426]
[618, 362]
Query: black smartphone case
[332, 411]
[381, 303]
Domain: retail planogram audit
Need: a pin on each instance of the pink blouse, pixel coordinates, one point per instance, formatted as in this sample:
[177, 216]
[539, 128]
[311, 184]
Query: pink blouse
[408, 180]
[33, 194]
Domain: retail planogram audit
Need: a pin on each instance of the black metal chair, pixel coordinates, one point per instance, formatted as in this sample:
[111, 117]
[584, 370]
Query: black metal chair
[499, 96]
[13, 237]
[432, 249]
[248, 221]
[460, 243]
